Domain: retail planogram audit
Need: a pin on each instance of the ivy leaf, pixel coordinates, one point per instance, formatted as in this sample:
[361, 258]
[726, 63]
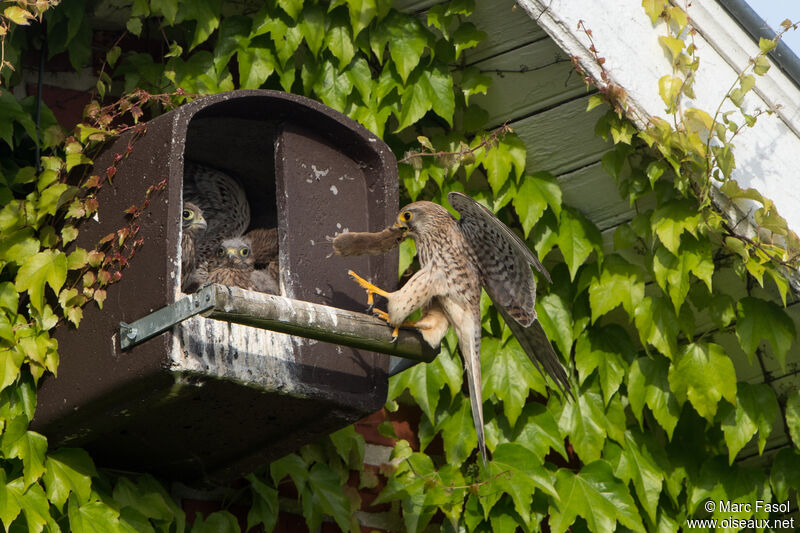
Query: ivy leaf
[756, 410]
[291, 465]
[759, 319]
[619, 282]
[584, 422]
[265, 505]
[596, 495]
[537, 430]
[459, 436]
[69, 470]
[167, 8]
[635, 462]
[323, 494]
[407, 42]
[426, 380]
[556, 319]
[206, 15]
[339, 39]
[466, 36]
[256, 64]
[657, 324]
[312, 26]
[499, 160]
[605, 349]
[92, 517]
[793, 416]
[361, 14]
[519, 473]
[16, 247]
[648, 385]
[674, 218]
[473, 82]
[291, 7]
[428, 89]
[703, 374]
[785, 474]
[672, 273]
[577, 237]
[508, 375]
[535, 193]
[47, 267]
[28, 446]
[32, 502]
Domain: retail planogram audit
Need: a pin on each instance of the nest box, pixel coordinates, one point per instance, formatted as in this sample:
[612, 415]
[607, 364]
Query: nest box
[210, 398]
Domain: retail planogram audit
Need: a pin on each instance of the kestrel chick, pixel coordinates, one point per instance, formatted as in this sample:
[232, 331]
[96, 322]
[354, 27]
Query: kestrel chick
[233, 266]
[264, 245]
[223, 202]
[457, 258]
[193, 225]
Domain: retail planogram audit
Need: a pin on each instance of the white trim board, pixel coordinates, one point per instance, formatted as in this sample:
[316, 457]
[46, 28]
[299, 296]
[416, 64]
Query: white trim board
[766, 155]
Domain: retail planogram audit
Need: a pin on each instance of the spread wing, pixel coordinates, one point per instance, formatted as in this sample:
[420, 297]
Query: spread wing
[504, 260]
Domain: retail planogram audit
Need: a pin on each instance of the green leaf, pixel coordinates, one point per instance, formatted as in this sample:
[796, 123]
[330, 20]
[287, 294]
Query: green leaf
[16, 247]
[635, 462]
[323, 493]
[69, 470]
[312, 26]
[674, 218]
[28, 446]
[47, 267]
[597, 496]
[473, 81]
[605, 349]
[256, 64]
[766, 45]
[206, 15]
[361, 14]
[407, 42]
[577, 237]
[673, 45]
[703, 373]
[619, 283]
[657, 325]
[793, 416]
[654, 9]
[339, 39]
[92, 517]
[291, 465]
[459, 437]
[535, 193]
[672, 273]
[33, 503]
[167, 8]
[291, 7]
[785, 474]
[349, 445]
[762, 320]
[428, 89]
[648, 385]
[425, 381]
[17, 15]
[466, 36]
[518, 472]
[756, 410]
[265, 505]
[584, 421]
[508, 375]
[536, 429]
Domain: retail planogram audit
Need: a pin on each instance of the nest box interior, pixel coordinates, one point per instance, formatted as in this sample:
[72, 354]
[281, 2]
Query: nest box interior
[211, 399]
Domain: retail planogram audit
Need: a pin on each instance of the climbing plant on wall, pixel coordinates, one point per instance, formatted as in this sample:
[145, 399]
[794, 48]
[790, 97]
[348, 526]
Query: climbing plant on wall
[659, 416]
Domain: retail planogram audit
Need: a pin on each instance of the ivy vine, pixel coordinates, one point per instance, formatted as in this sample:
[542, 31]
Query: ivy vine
[647, 325]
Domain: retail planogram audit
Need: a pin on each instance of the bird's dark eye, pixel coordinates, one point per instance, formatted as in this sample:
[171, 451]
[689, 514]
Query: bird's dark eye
[407, 216]
[188, 214]
[244, 252]
[221, 251]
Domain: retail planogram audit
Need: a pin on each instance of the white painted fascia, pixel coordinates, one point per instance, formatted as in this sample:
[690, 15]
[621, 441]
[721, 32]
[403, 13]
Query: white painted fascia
[766, 155]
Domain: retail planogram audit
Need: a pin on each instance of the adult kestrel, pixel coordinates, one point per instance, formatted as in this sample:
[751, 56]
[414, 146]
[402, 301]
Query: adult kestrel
[457, 258]
[193, 225]
[233, 266]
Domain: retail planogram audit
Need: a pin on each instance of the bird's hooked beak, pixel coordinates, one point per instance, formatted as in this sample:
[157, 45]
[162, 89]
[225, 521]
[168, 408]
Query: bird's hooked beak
[200, 223]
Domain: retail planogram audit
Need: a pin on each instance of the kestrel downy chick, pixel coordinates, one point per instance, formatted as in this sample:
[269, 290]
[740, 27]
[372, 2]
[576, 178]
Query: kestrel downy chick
[223, 202]
[233, 266]
[457, 258]
[193, 225]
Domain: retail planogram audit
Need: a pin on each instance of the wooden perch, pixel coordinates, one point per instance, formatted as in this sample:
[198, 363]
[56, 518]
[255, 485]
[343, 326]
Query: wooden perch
[284, 315]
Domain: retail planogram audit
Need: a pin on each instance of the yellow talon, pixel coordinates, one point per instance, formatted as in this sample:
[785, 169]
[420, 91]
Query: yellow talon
[369, 287]
[383, 315]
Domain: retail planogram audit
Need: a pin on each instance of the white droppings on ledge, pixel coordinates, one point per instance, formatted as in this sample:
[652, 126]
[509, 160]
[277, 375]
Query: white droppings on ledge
[312, 242]
[334, 190]
[319, 173]
[339, 225]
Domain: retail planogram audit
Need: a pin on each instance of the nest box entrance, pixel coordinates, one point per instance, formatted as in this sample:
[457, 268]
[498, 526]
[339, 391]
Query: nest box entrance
[208, 397]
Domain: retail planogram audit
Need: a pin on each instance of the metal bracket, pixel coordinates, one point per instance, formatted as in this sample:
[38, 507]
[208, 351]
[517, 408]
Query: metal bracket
[159, 321]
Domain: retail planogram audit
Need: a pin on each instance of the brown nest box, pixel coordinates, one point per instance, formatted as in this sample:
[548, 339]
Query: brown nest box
[208, 398]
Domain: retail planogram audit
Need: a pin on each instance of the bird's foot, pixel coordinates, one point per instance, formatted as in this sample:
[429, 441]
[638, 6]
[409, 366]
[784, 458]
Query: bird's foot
[383, 315]
[369, 287]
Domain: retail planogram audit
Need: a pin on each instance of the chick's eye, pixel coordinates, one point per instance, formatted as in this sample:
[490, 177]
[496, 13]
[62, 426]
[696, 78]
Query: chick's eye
[220, 252]
[187, 214]
[407, 216]
[244, 252]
